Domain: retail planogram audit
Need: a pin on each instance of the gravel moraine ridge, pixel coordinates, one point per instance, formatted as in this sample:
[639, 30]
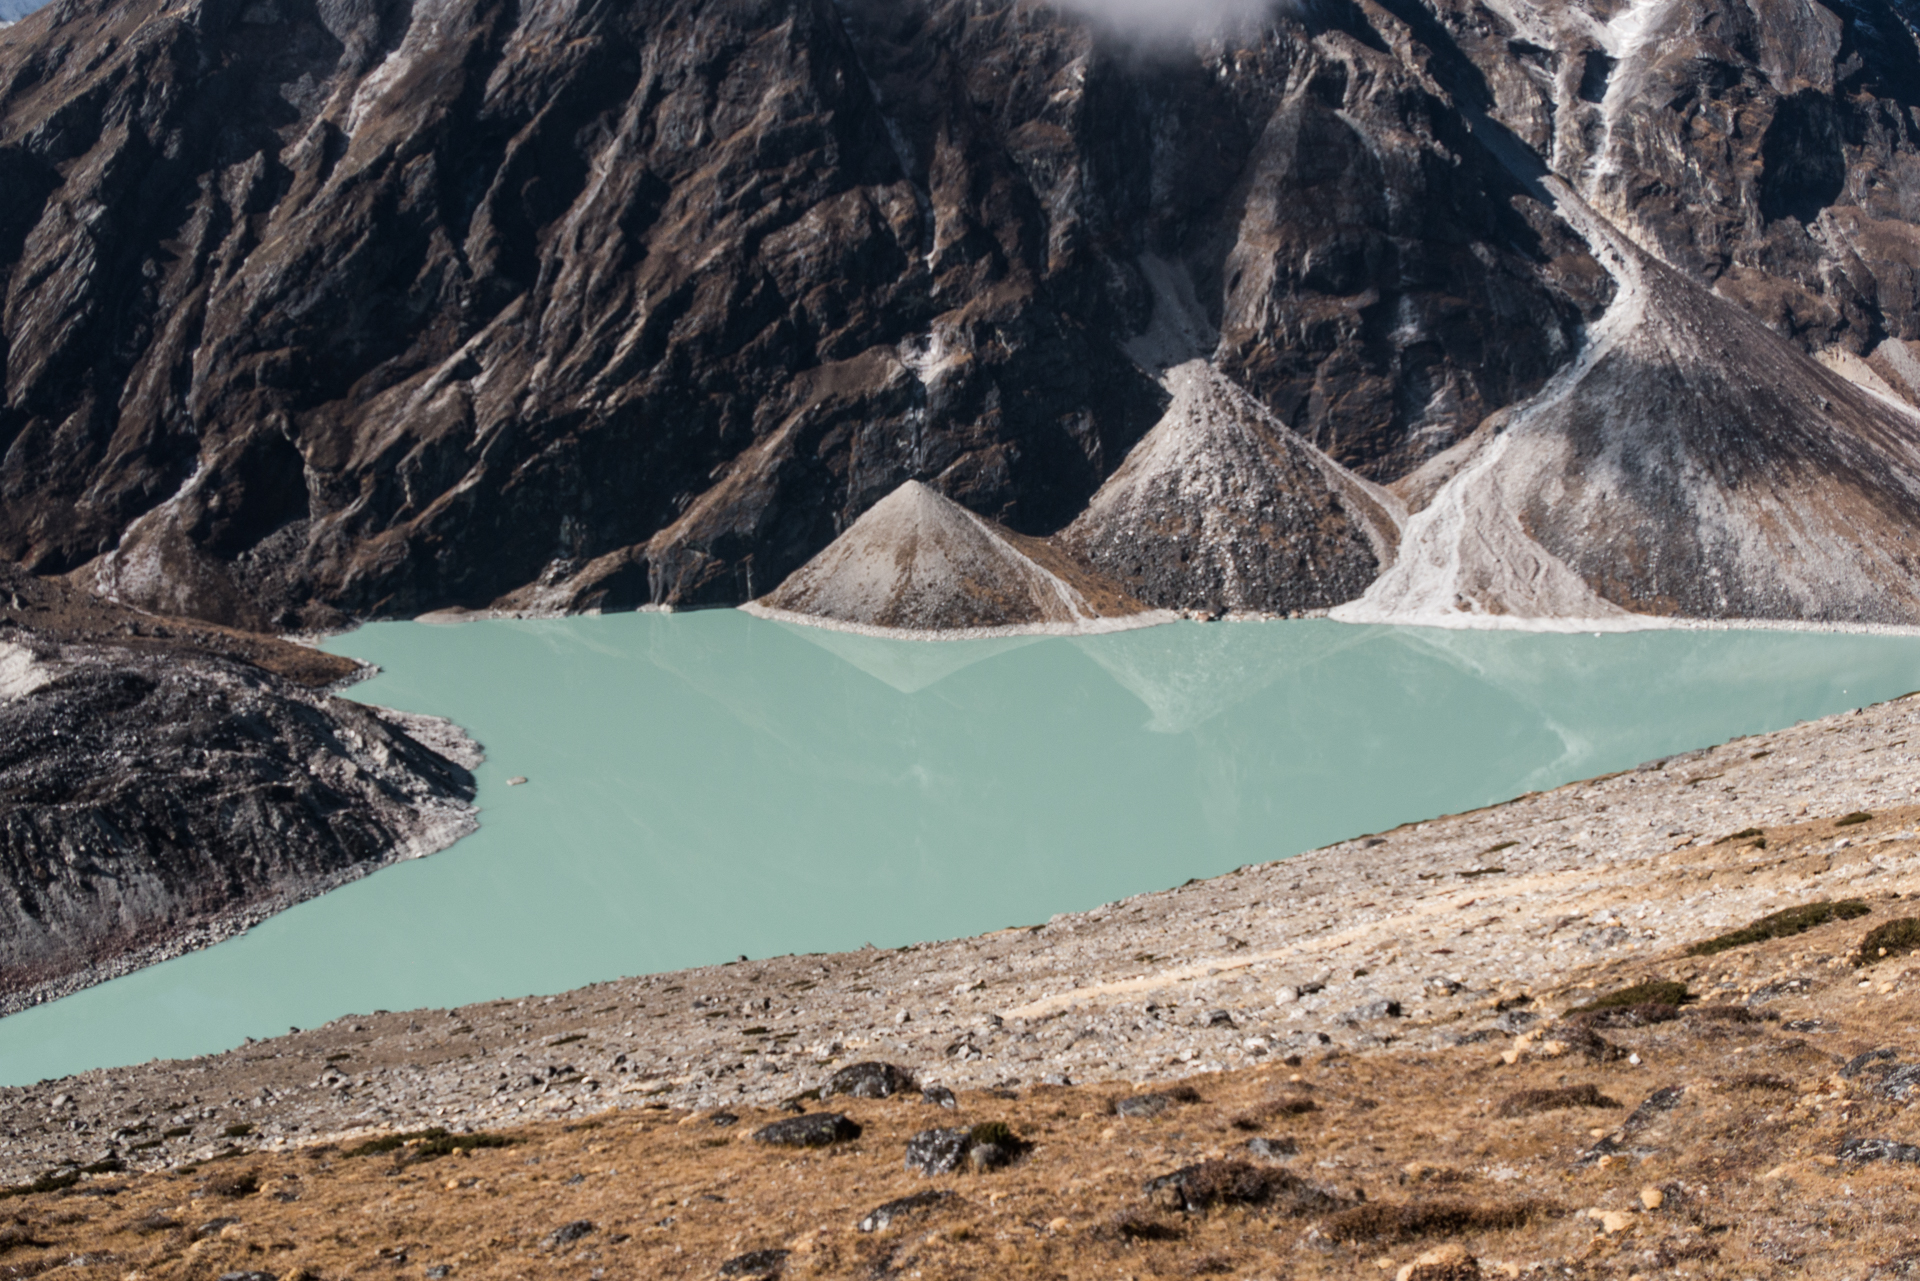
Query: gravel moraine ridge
[1434, 934]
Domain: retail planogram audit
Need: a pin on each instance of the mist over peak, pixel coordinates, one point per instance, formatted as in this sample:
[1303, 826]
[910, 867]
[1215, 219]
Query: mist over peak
[1171, 19]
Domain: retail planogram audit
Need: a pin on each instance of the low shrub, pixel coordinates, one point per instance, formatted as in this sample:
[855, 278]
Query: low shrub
[1783, 924]
[1888, 939]
[426, 1145]
[233, 1183]
[1256, 1118]
[1144, 1225]
[1529, 1102]
[1652, 992]
[1641, 1014]
[1382, 1221]
[1217, 1183]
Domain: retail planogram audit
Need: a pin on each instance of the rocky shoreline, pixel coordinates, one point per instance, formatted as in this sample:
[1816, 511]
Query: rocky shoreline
[1459, 930]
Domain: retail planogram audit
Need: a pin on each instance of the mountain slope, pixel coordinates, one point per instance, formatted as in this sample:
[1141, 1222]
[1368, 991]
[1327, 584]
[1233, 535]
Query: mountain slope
[389, 310]
[1692, 462]
[326, 311]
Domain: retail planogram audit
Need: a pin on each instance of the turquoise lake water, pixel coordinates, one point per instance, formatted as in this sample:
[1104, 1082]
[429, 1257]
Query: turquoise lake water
[708, 785]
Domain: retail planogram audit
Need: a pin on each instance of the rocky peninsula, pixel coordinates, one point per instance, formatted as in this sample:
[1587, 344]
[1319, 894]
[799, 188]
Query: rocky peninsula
[165, 784]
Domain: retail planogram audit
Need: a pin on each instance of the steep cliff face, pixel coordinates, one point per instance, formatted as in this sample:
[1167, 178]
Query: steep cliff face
[369, 309]
[372, 306]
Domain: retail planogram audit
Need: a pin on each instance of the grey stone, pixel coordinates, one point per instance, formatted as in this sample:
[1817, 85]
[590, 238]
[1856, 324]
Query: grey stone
[755, 1264]
[1878, 1150]
[869, 1081]
[938, 1151]
[882, 1217]
[809, 1130]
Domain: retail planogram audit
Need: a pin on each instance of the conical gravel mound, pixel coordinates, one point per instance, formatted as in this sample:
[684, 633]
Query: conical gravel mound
[919, 562]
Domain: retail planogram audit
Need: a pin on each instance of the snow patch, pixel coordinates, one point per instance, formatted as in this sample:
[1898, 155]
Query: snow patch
[22, 672]
[1179, 329]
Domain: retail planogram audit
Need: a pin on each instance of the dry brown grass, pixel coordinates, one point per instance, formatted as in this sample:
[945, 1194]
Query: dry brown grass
[1402, 1152]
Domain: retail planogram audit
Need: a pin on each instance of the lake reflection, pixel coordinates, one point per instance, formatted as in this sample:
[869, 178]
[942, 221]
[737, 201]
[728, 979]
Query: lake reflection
[710, 785]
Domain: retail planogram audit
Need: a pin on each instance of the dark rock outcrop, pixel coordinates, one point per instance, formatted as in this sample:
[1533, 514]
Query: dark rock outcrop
[870, 1081]
[155, 798]
[809, 1130]
[938, 1151]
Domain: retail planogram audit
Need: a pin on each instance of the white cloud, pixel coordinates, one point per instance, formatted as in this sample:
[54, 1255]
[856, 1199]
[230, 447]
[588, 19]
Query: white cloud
[1170, 18]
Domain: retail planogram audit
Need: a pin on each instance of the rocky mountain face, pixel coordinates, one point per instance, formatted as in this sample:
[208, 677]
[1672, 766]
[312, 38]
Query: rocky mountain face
[161, 789]
[366, 307]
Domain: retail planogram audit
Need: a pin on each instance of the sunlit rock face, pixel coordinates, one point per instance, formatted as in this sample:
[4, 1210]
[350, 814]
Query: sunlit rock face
[351, 309]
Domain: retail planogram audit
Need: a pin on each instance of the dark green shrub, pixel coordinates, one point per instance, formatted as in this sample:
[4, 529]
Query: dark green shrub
[1889, 939]
[1782, 924]
[1652, 992]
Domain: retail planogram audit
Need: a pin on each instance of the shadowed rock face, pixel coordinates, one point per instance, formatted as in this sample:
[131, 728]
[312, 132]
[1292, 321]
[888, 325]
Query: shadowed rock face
[1222, 505]
[918, 561]
[367, 308]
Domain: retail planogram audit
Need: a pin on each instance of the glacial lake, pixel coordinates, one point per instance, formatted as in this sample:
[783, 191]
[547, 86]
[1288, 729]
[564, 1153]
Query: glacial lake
[705, 786]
